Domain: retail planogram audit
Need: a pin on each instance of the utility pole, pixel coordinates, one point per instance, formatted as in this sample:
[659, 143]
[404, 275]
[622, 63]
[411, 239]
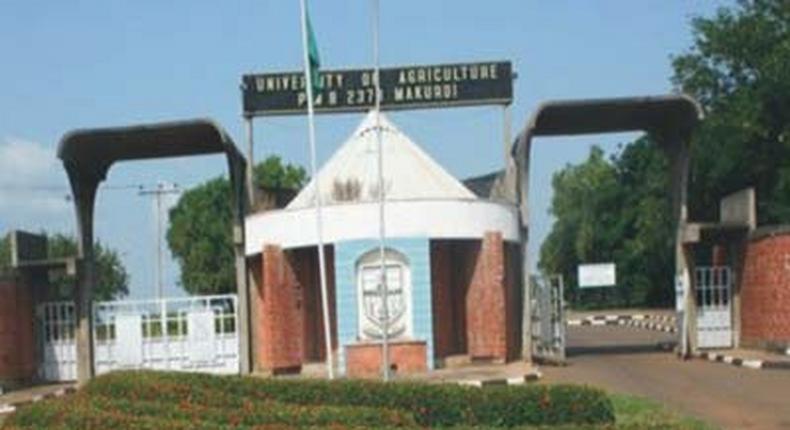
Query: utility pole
[383, 288]
[160, 190]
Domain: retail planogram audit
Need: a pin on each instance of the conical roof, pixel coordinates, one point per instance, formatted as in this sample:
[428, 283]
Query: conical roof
[351, 174]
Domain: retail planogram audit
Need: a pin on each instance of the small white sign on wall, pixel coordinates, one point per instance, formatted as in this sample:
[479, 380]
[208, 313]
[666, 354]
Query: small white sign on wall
[200, 336]
[597, 275]
[680, 294]
[129, 338]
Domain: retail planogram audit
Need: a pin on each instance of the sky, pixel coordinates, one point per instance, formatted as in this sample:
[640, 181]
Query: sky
[98, 63]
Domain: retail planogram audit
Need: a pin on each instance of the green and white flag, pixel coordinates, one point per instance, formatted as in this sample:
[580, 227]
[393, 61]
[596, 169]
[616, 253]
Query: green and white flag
[314, 58]
[311, 65]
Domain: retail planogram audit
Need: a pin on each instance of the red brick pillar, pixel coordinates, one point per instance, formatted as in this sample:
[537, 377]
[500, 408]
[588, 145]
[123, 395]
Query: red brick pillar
[17, 355]
[280, 314]
[486, 321]
[765, 291]
[719, 255]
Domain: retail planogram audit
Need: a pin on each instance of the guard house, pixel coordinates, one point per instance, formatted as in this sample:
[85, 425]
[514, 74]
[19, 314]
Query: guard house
[28, 353]
[452, 265]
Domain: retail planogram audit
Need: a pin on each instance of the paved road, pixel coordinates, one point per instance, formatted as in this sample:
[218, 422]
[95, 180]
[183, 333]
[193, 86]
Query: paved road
[627, 360]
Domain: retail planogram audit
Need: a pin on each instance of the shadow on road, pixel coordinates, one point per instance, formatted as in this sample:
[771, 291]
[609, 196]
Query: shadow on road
[576, 351]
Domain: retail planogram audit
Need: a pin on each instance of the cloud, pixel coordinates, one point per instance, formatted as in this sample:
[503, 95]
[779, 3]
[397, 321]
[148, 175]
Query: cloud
[33, 186]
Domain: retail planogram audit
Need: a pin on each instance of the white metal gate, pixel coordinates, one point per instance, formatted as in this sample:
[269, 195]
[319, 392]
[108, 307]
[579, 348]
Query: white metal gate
[190, 334]
[548, 317]
[56, 340]
[714, 307]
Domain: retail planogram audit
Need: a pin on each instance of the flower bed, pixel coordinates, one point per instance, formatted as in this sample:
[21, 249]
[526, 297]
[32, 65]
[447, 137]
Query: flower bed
[96, 411]
[142, 400]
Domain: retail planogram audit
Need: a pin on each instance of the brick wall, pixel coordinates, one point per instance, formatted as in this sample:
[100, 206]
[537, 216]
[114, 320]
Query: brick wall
[289, 322]
[279, 313]
[486, 315]
[475, 305]
[17, 353]
[476, 298]
[363, 360]
[305, 265]
[765, 290]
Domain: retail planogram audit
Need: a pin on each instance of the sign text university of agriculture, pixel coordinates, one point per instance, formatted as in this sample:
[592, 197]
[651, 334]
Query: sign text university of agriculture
[411, 87]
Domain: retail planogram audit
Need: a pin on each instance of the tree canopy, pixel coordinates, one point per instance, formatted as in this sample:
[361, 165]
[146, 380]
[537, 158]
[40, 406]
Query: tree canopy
[199, 235]
[619, 209]
[739, 69]
[613, 210]
[5, 254]
[112, 277]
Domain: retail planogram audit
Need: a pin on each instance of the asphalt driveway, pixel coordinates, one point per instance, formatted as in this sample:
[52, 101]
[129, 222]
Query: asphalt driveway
[627, 360]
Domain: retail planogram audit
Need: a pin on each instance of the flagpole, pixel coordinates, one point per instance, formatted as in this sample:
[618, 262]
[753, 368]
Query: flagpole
[317, 188]
[385, 358]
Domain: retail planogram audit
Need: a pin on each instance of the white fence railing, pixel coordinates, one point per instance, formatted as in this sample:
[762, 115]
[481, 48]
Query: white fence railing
[183, 334]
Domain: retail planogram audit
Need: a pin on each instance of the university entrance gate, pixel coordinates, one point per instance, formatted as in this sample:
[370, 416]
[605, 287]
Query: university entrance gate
[669, 120]
[713, 288]
[197, 334]
[548, 318]
[87, 156]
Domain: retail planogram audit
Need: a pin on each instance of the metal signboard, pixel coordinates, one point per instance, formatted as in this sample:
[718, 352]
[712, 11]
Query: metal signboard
[597, 275]
[411, 87]
[26, 247]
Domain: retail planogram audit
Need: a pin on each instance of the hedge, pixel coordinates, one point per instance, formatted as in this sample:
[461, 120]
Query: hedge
[83, 408]
[430, 405]
[62, 414]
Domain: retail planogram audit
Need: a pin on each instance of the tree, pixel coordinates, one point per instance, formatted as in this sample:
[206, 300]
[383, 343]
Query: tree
[739, 69]
[614, 210]
[645, 250]
[273, 174]
[585, 226]
[112, 277]
[199, 235]
[5, 254]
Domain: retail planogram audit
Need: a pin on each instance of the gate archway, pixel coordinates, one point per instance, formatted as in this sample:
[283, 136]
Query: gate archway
[87, 156]
[669, 119]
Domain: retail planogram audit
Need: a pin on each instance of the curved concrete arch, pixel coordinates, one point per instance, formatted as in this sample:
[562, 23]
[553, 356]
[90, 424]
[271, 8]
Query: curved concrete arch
[669, 119]
[87, 156]
[652, 114]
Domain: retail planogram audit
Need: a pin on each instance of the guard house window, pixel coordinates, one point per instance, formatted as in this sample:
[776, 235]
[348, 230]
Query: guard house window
[370, 292]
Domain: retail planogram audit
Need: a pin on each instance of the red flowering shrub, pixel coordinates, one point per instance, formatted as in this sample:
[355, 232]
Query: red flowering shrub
[162, 400]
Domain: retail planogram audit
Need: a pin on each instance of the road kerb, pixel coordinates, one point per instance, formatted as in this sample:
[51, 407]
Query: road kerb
[743, 362]
[662, 323]
[515, 380]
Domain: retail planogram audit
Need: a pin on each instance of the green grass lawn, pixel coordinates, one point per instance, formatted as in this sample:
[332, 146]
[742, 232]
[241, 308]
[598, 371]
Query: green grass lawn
[639, 413]
[161, 400]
